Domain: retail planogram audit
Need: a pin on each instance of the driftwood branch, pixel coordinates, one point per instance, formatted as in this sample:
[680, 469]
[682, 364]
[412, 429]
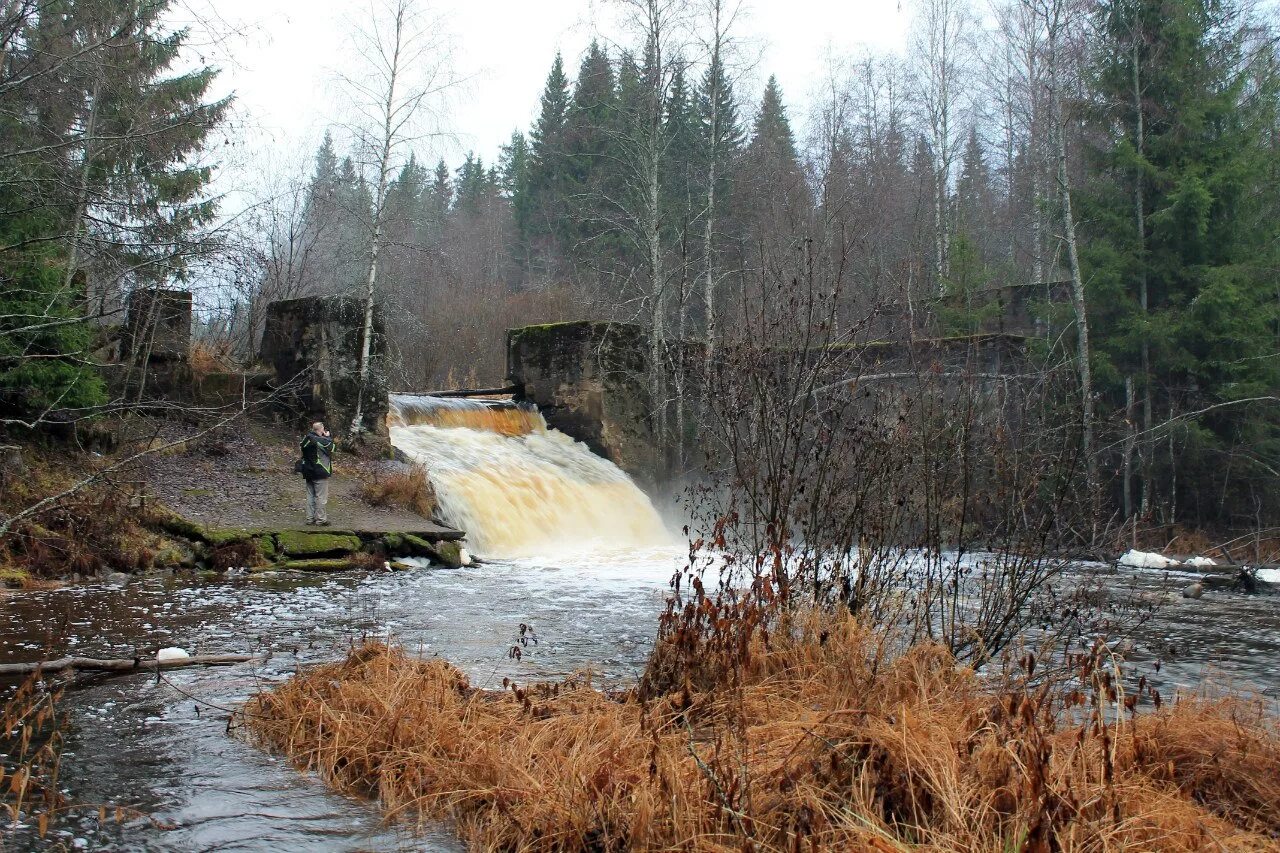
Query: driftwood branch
[120, 664]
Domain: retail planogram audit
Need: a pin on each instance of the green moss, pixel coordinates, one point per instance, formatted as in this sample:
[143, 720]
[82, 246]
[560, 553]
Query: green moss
[297, 543]
[219, 536]
[169, 557]
[14, 577]
[393, 543]
[266, 546]
[449, 553]
[176, 525]
[416, 546]
[331, 564]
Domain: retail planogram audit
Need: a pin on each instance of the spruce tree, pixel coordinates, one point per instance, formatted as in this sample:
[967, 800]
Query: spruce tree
[515, 182]
[1184, 300]
[548, 166]
[587, 137]
[103, 186]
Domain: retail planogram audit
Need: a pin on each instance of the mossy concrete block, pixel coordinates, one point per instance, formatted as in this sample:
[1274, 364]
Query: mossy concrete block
[266, 546]
[219, 536]
[416, 546]
[328, 564]
[296, 543]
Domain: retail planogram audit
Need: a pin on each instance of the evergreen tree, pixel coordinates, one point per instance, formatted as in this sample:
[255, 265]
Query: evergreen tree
[725, 134]
[772, 139]
[548, 166]
[1184, 299]
[515, 182]
[682, 159]
[103, 118]
[773, 200]
[587, 137]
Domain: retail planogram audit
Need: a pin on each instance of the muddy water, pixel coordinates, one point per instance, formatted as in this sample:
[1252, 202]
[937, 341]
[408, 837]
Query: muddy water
[162, 748]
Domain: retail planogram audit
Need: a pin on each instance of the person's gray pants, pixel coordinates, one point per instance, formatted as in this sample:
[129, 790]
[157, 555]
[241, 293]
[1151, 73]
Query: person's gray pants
[317, 500]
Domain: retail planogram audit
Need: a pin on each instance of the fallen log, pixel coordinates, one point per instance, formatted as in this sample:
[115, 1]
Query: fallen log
[468, 392]
[120, 664]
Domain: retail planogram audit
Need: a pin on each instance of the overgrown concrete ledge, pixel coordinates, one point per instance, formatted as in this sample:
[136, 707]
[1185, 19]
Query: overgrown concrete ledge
[314, 549]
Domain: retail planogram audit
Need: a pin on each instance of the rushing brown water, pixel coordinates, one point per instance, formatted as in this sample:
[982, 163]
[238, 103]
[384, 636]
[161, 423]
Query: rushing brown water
[517, 487]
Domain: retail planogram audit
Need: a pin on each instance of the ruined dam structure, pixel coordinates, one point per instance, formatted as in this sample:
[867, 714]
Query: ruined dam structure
[313, 344]
[559, 461]
[589, 379]
[518, 487]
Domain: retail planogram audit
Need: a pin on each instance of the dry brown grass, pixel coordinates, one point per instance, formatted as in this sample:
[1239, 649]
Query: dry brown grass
[209, 356]
[819, 741]
[409, 489]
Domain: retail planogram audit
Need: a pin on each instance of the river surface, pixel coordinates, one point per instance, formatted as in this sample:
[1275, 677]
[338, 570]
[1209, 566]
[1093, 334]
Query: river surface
[161, 747]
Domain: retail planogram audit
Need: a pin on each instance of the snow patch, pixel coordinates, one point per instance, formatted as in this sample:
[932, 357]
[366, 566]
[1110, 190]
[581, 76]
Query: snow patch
[1201, 562]
[1269, 575]
[1146, 560]
[172, 653]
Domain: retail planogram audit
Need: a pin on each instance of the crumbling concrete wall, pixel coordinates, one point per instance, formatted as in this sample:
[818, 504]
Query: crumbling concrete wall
[157, 325]
[313, 345]
[588, 380]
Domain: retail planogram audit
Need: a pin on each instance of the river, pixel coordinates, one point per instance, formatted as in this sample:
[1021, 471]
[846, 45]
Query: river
[162, 747]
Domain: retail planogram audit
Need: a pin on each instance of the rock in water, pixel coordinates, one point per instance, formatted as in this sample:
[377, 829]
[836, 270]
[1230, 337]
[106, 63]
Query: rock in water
[1146, 560]
[1194, 591]
[172, 653]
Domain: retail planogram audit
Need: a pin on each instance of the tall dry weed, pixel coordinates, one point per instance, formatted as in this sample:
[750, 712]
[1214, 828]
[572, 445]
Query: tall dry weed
[409, 489]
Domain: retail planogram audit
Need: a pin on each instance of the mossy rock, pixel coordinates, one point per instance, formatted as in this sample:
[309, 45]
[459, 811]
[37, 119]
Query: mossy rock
[324, 564]
[393, 543]
[217, 537]
[176, 525]
[296, 543]
[266, 546]
[449, 553]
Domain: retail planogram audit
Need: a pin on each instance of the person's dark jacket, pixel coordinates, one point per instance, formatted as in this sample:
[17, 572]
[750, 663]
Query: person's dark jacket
[317, 456]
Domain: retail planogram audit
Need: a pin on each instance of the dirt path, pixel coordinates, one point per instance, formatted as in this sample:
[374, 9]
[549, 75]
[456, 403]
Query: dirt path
[244, 478]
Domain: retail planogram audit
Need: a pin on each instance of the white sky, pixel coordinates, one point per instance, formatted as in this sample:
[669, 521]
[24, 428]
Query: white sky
[281, 65]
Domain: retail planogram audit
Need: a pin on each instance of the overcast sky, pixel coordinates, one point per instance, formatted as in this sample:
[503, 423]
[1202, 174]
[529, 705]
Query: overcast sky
[281, 64]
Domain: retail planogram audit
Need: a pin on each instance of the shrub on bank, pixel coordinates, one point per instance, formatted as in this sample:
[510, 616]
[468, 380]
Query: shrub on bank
[409, 489]
[819, 739]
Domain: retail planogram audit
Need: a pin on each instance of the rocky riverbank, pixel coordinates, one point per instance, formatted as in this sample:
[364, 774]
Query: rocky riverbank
[194, 500]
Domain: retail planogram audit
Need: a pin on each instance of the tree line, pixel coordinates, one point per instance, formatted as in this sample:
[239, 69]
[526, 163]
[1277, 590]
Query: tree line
[1096, 177]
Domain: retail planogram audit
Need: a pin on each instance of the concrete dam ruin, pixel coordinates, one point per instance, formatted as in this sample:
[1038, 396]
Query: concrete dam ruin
[564, 454]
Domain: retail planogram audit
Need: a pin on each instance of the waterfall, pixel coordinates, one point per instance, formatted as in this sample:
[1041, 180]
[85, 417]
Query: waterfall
[517, 487]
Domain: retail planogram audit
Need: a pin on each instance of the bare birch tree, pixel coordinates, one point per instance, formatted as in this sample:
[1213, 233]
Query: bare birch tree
[398, 93]
[1057, 19]
[942, 43]
[660, 24]
[720, 19]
